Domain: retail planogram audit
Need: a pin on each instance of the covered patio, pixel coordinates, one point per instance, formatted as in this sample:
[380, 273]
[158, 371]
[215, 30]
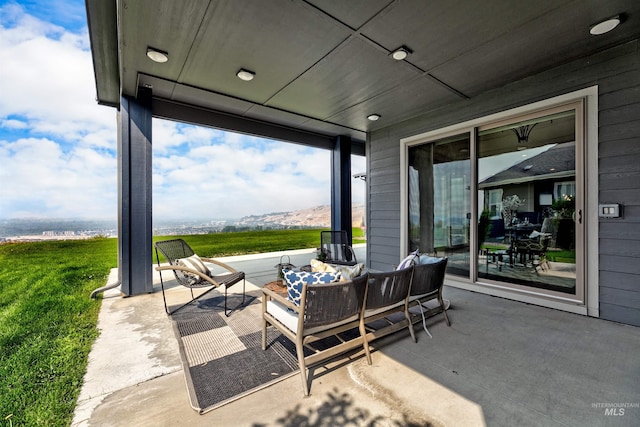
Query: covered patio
[500, 363]
[371, 78]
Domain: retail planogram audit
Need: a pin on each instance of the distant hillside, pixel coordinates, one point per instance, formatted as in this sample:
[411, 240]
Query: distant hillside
[318, 216]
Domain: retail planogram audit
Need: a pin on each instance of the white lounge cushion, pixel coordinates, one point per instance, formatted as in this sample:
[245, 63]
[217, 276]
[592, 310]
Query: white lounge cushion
[290, 318]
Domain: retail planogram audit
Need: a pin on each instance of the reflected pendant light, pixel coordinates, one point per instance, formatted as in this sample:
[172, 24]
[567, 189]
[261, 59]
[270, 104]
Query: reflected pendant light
[523, 133]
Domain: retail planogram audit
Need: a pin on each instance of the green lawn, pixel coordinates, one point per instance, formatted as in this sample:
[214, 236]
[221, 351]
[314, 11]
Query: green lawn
[47, 326]
[48, 322]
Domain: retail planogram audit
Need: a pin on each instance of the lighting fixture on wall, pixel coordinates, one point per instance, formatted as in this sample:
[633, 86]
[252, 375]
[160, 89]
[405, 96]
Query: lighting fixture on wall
[523, 132]
[605, 26]
[245, 75]
[401, 53]
[374, 117]
[157, 55]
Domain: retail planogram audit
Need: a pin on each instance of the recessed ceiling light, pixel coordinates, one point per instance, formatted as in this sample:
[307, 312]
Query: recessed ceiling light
[401, 53]
[374, 117]
[605, 26]
[245, 75]
[157, 55]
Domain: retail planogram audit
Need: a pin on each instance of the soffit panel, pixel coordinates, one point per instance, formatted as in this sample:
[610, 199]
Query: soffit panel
[438, 32]
[328, 60]
[348, 76]
[215, 101]
[166, 25]
[530, 49]
[353, 13]
[278, 40]
[404, 101]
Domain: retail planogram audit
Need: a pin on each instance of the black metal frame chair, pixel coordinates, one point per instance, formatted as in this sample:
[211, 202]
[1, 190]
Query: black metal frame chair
[176, 249]
[336, 248]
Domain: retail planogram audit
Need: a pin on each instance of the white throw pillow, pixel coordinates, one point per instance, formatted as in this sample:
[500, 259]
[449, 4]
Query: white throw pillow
[411, 259]
[349, 272]
[194, 263]
[318, 266]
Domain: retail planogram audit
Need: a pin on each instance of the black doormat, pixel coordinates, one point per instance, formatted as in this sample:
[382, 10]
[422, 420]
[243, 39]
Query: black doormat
[222, 357]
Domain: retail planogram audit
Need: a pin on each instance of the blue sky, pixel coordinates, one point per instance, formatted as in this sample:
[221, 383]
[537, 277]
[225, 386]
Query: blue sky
[58, 146]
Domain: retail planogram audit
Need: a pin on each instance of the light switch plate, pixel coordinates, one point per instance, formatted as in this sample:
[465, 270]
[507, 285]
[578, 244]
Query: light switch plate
[609, 210]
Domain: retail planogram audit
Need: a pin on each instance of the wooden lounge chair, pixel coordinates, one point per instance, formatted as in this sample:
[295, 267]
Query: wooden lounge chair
[325, 310]
[193, 274]
[336, 248]
[387, 293]
[426, 285]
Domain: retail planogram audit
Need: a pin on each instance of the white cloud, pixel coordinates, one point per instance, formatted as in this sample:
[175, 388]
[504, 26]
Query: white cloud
[49, 78]
[57, 146]
[39, 179]
[14, 124]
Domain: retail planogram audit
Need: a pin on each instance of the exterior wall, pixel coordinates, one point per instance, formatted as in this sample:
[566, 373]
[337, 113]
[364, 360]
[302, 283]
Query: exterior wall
[616, 71]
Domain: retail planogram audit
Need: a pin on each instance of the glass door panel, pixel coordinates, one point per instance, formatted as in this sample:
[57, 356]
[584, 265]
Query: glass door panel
[439, 200]
[527, 201]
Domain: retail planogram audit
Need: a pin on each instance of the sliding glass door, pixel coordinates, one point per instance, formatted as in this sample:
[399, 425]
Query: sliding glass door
[439, 200]
[527, 198]
[524, 179]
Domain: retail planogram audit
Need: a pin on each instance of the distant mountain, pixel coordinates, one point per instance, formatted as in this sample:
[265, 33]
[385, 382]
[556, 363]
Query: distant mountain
[38, 226]
[318, 216]
[39, 229]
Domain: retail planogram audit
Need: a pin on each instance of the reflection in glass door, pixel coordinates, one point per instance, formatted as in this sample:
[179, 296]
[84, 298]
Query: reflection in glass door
[527, 202]
[439, 200]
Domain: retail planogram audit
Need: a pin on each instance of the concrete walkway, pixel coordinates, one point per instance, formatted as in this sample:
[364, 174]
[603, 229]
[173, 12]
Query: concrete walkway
[501, 363]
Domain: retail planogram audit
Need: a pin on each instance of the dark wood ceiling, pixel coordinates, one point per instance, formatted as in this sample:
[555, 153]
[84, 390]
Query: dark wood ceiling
[323, 66]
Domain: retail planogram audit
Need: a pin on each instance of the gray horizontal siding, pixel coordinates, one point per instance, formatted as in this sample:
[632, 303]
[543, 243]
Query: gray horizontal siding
[615, 230]
[619, 179]
[619, 313]
[616, 71]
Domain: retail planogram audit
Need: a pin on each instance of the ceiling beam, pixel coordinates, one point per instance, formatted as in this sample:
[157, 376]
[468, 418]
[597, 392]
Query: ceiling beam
[170, 110]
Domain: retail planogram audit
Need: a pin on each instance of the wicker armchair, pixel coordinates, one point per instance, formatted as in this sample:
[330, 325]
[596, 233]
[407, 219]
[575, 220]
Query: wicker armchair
[325, 310]
[336, 248]
[189, 273]
[426, 285]
[387, 293]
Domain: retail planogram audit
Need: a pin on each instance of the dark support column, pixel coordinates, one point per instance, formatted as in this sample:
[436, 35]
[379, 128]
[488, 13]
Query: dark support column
[341, 186]
[424, 164]
[135, 253]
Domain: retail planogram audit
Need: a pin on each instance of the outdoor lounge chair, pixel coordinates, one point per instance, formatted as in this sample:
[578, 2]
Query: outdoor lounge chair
[325, 310]
[335, 246]
[387, 293]
[190, 271]
[426, 285]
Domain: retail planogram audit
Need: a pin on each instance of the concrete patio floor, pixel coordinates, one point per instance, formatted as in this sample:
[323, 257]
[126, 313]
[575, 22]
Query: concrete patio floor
[501, 363]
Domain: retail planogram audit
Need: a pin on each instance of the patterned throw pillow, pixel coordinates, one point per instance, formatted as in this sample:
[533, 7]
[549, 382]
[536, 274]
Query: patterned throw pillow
[296, 279]
[194, 263]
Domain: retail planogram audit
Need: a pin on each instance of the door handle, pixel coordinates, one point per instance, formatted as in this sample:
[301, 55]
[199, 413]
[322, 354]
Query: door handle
[579, 216]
